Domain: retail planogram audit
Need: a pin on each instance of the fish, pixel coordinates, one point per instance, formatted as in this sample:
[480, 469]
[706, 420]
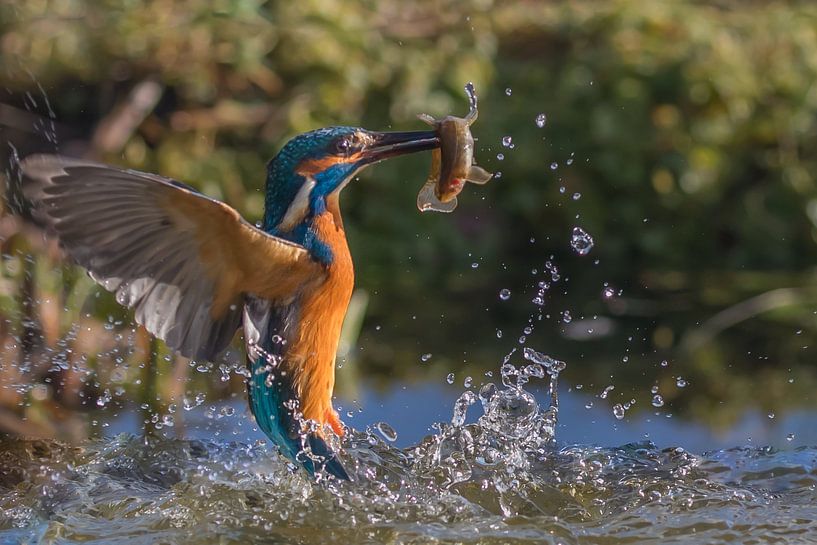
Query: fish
[452, 164]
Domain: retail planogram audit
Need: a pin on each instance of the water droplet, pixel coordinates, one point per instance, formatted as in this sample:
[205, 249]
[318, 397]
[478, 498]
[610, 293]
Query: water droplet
[618, 411]
[386, 431]
[475, 265]
[504, 294]
[541, 119]
[657, 400]
[425, 357]
[104, 398]
[554, 165]
[581, 241]
[450, 378]
[577, 196]
[467, 382]
[507, 141]
[680, 382]
[508, 91]
[566, 317]
[608, 293]
[606, 391]
[467, 399]
[498, 333]
[790, 437]
[588, 405]
[770, 415]
[487, 391]
[500, 156]
[664, 363]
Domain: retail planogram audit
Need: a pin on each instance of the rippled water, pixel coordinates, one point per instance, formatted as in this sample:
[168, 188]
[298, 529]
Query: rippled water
[503, 479]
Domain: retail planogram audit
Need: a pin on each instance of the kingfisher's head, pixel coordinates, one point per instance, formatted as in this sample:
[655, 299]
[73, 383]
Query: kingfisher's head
[315, 166]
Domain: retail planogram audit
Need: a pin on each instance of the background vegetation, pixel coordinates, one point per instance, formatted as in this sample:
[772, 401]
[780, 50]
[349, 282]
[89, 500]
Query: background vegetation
[680, 134]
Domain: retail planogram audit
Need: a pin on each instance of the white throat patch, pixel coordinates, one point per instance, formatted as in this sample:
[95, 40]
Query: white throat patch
[299, 207]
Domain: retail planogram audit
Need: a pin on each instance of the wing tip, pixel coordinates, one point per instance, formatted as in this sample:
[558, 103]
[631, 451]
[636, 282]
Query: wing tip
[43, 165]
[39, 171]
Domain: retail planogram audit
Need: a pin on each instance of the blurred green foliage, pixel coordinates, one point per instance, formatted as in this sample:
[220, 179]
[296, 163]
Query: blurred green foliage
[680, 134]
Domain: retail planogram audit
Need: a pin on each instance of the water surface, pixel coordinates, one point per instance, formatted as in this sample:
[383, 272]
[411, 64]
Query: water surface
[502, 478]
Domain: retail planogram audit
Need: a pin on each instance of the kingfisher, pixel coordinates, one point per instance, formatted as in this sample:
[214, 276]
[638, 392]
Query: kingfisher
[194, 271]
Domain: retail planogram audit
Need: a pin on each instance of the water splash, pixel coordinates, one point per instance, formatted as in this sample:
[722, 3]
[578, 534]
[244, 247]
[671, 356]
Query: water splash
[476, 483]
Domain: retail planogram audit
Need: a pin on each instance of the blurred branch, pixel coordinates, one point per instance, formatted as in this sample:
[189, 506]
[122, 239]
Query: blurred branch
[225, 114]
[765, 302]
[115, 129]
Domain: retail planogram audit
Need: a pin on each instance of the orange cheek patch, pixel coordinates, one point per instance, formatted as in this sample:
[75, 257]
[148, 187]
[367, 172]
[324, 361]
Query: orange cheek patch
[311, 167]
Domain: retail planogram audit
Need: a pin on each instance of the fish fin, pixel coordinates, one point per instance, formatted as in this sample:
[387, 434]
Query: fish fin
[427, 200]
[473, 111]
[478, 175]
[181, 260]
[427, 119]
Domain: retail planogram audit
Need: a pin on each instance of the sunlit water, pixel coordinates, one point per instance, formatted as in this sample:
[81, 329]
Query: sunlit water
[502, 479]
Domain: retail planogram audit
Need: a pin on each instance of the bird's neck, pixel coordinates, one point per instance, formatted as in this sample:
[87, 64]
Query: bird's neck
[308, 218]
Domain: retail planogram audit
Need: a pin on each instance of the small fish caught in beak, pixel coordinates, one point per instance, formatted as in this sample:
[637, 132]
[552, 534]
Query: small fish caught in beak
[453, 163]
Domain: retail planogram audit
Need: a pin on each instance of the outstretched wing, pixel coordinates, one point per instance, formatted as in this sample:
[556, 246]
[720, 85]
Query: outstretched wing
[183, 261]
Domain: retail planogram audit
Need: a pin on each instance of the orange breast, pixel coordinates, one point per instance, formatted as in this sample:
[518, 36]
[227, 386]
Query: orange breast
[311, 356]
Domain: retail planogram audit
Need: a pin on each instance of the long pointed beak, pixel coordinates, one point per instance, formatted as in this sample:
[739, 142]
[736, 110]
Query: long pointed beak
[392, 144]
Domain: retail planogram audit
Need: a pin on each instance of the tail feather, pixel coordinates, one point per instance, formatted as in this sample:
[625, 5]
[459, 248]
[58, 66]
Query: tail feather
[271, 394]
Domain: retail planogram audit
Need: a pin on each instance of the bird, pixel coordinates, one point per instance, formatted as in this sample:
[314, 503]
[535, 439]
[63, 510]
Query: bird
[194, 271]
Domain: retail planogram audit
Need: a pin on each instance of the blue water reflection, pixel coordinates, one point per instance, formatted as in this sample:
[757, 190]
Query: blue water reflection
[412, 410]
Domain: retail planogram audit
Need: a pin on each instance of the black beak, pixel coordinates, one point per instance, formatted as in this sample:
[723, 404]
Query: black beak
[392, 144]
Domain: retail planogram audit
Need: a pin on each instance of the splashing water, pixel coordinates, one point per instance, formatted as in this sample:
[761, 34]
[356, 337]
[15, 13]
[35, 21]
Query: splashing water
[500, 479]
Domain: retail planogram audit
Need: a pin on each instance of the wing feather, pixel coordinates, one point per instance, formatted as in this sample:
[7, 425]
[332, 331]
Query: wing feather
[182, 261]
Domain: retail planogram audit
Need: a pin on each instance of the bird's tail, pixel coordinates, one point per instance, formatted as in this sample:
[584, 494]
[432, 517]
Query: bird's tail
[273, 404]
[273, 399]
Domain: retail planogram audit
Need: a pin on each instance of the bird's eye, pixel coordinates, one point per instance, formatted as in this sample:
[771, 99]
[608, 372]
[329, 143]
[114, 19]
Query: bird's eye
[346, 145]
